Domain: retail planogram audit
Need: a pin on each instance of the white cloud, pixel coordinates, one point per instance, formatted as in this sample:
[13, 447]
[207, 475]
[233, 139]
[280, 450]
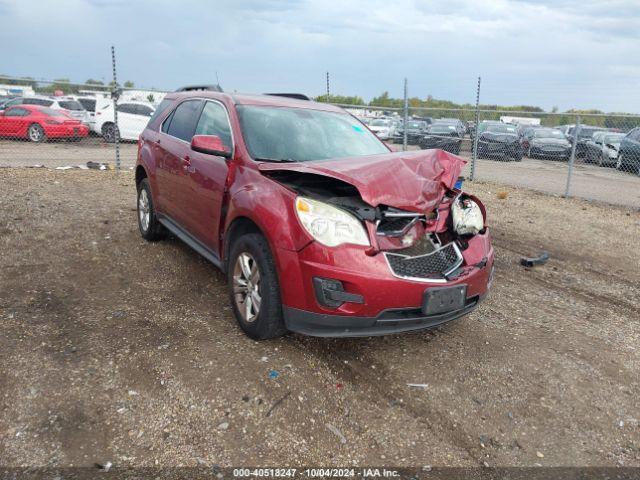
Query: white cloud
[569, 53]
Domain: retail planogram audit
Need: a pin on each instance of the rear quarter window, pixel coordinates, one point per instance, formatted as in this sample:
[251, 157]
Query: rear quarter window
[163, 107]
[70, 105]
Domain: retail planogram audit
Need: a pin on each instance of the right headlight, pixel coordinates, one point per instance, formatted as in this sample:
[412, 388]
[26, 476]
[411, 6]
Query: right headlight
[467, 216]
[329, 225]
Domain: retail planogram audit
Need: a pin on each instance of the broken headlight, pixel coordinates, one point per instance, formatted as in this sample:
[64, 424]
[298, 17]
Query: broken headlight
[467, 216]
[329, 225]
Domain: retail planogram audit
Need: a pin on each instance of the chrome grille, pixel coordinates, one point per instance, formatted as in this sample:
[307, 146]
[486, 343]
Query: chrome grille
[433, 266]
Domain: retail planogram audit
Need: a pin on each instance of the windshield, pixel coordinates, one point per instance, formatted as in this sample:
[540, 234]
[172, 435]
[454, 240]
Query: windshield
[542, 133]
[380, 123]
[501, 128]
[301, 134]
[441, 129]
[415, 125]
[614, 138]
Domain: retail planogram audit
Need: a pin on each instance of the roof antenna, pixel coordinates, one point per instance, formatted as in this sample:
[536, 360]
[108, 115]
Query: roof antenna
[217, 79]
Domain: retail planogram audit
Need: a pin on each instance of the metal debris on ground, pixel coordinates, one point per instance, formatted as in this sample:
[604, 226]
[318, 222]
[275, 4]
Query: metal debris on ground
[418, 385]
[533, 261]
[276, 403]
[336, 432]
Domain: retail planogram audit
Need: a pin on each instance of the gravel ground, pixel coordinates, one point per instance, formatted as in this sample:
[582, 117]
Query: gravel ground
[114, 349]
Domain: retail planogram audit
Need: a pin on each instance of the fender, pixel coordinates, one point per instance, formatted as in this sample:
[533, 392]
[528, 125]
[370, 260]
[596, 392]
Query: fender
[271, 209]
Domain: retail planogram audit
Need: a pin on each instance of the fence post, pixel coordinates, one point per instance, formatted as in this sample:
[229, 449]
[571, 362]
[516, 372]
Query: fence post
[573, 156]
[114, 95]
[406, 116]
[474, 147]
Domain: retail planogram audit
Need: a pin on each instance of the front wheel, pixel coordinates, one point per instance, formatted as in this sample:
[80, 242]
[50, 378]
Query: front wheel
[254, 289]
[36, 133]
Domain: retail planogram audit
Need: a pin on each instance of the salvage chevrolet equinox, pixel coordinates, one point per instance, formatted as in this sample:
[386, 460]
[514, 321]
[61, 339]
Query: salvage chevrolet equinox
[319, 227]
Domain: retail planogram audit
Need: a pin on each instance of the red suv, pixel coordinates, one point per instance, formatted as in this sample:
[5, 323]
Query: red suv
[319, 226]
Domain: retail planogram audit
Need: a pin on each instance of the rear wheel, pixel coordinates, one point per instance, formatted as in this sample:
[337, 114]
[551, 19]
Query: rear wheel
[254, 289]
[150, 228]
[36, 133]
[109, 132]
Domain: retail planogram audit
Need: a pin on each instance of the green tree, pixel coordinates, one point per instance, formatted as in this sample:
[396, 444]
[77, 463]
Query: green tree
[129, 84]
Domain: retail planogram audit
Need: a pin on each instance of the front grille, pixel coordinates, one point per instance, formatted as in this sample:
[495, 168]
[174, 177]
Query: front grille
[432, 266]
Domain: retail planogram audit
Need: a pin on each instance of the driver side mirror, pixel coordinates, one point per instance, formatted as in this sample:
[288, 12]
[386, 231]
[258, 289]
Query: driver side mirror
[209, 144]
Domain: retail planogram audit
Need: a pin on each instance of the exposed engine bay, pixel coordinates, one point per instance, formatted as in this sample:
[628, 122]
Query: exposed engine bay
[403, 232]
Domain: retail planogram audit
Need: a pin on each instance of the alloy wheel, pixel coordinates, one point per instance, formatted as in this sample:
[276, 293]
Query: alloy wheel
[144, 209]
[246, 287]
[35, 133]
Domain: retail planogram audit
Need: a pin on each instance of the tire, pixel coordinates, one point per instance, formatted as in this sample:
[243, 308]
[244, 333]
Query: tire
[518, 156]
[150, 228]
[35, 133]
[109, 132]
[267, 321]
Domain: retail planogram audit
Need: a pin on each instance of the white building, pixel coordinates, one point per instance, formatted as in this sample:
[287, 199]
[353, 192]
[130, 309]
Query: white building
[17, 90]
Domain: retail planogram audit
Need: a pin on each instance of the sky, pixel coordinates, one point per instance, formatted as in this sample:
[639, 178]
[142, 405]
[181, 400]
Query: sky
[549, 53]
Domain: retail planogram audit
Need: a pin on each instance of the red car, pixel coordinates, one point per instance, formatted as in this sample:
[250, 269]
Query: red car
[39, 123]
[320, 228]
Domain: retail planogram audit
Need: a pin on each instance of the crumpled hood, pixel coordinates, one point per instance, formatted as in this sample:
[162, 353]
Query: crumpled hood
[414, 181]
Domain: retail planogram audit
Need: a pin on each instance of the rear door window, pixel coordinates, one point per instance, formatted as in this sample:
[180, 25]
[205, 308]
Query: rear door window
[37, 101]
[184, 120]
[71, 105]
[88, 104]
[127, 108]
[144, 110]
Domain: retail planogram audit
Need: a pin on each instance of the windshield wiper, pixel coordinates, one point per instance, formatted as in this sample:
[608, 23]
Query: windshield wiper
[279, 160]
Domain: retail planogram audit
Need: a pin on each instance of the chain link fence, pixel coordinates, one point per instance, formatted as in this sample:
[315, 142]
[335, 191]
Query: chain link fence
[60, 124]
[591, 156]
[64, 125]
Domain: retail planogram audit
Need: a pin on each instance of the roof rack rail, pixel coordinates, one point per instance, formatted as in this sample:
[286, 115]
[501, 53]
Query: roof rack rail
[297, 96]
[192, 88]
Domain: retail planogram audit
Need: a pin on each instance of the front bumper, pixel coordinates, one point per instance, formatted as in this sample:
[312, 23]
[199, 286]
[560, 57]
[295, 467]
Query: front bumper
[390, 304]
[388, 322]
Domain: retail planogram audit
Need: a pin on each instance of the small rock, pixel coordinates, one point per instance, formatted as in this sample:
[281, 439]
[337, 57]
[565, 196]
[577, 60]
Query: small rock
[539, 454]
[223, 426]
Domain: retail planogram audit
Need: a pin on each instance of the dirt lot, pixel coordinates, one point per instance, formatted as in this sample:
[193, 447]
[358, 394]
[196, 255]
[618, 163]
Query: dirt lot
[114, 349]
[589, 181]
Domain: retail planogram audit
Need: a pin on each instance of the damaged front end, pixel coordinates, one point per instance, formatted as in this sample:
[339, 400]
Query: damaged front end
[426, 246]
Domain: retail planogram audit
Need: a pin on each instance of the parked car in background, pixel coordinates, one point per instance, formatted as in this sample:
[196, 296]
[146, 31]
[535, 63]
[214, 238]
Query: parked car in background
[629, 156]
[547, 143]
[320, 228]
[38, 124]
[452, 122]
[67, 104]
[415, 131]
[442, 136]
[132, 120]
[384, 128]
[500, 141]
[483, 125]
[91, 104]
[603, 148]
[585, 133]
